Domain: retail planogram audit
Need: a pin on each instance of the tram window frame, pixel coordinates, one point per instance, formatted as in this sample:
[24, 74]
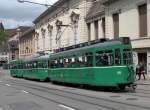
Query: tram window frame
[54, 63]
[101, 56]
[127, 56]
[34, 64]
[118, 56]
[20, 66]
[89, 62]
[42, 64]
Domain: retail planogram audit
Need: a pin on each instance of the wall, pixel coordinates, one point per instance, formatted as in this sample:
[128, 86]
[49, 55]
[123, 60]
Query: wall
[67, 35]
[128, 18]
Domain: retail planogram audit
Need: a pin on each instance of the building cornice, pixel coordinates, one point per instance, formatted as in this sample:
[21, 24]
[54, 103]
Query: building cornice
[29, 31]
[97, 16]
[107, 2]
[56, 5]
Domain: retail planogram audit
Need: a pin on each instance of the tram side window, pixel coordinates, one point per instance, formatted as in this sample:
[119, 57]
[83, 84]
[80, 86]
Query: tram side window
[34, 64]
[89, 59]
[53, 63]
[117, 57]
[42, 64]
[104, 58]
[20, 66]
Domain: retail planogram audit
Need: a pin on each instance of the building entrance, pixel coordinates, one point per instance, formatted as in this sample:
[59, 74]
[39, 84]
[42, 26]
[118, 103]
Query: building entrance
[142, 58]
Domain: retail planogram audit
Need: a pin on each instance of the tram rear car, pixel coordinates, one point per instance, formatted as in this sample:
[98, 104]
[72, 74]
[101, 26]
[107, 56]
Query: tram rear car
[104, 64]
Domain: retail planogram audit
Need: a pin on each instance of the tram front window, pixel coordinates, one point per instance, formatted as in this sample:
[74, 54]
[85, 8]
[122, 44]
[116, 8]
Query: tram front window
[127, 56]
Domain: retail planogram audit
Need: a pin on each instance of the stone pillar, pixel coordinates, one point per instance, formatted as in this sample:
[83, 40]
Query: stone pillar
[92, 31]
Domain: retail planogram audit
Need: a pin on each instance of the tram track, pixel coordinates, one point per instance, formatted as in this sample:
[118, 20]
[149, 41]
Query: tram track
[62, 93]
[86, 102]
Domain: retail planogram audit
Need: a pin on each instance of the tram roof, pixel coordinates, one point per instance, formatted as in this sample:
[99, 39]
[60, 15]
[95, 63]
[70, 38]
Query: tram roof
[17, 60]
[99, 45]
[44, 57]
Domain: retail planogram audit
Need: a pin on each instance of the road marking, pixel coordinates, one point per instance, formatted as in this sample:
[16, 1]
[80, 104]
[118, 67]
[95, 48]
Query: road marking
[66, 107]
[7, 84]
[25, 91]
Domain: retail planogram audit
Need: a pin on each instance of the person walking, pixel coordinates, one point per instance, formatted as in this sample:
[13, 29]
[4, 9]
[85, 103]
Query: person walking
[138, 71]
[142, 70]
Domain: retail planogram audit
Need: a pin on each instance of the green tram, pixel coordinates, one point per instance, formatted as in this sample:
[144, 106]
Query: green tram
[36, 68]
[16, 68]
[6, 66]
[107, 64]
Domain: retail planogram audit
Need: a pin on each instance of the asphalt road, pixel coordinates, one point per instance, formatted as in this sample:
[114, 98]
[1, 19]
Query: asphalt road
[20, 94]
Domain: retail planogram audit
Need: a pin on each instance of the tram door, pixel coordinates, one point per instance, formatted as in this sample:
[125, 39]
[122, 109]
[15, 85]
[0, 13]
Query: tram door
[142, 57]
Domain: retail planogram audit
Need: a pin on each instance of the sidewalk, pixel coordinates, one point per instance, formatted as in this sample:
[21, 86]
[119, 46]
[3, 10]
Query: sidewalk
[143, 82]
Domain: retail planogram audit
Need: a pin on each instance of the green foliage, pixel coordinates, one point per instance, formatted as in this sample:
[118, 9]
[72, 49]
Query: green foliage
[3, 37]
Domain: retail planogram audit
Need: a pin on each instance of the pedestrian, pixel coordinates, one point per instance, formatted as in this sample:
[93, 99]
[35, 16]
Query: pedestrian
[142, 70]
[138, 71]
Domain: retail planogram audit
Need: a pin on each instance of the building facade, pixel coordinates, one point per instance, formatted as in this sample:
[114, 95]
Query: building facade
[130, 18]
[95, 20]
[26, 43]
[62, 25]
[13, 43]
[3, 46]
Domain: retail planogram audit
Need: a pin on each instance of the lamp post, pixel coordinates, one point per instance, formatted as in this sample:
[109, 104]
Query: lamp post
[23, 1]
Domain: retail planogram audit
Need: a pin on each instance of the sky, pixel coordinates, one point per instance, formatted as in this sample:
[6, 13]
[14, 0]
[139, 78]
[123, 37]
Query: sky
[14, 14]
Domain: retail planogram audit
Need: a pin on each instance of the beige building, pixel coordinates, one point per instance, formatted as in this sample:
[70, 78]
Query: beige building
[95, 20]
[26, 43]
[62, 25]
[130, 18]
[13, 42]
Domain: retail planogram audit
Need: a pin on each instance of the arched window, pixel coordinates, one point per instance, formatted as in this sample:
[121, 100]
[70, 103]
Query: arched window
[50, 30]
[74, 21]
[59, 31]
[43, 31]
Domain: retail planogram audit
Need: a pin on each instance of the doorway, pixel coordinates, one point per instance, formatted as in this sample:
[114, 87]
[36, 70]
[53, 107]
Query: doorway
[142, 58]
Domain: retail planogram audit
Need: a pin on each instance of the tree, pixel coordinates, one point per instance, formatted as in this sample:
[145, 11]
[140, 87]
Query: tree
[3, 37]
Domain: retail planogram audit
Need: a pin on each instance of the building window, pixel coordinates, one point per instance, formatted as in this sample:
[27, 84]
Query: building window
[116, 25]
[50, 29]
[103, 27]
[96, 29]
[89, 31]
[37, 40]
[143, 20]
[43, 31]
[74, 21]
[59, 32]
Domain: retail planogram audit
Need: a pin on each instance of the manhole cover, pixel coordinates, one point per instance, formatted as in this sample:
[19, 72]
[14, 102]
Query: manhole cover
[25, 106]
[115, 96]
[131, 99]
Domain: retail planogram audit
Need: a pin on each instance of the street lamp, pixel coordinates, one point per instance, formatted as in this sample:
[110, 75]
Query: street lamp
[23, 1]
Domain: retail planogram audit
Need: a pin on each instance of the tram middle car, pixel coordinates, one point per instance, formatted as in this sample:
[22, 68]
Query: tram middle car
[35, 68]
[106, 64]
